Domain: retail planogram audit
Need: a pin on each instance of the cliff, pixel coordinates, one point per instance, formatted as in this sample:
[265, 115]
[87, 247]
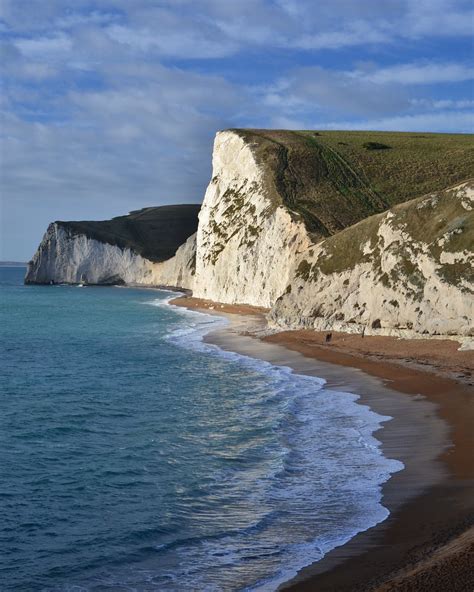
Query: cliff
[247, 240]
[274, 193]
[145, 247]
[407, 271]
[327, 229]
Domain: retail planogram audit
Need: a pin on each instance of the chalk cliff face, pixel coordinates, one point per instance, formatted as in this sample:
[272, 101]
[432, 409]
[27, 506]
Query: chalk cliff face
[63, 257]
[246, 241]
[66, 257]
[408, 271]
[141, 248]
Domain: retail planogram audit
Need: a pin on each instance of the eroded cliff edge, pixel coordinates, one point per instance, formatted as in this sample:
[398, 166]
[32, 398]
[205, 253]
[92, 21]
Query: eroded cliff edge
[307, 224]
[407, 271]
[153, 246]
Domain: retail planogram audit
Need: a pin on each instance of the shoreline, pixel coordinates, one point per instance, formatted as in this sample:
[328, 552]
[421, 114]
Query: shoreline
[425, 542]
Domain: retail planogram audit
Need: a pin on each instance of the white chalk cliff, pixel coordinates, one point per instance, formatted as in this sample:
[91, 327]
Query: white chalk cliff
[65, 257]
[405, 271]
[246, 243]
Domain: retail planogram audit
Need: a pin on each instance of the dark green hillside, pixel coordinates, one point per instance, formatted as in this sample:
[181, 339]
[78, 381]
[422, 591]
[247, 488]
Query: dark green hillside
[154, 233]
[333, 179]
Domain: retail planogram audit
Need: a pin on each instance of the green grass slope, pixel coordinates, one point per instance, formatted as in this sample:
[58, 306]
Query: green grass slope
[333, 179]
[406, 271]
[154, 233]
[437, 224]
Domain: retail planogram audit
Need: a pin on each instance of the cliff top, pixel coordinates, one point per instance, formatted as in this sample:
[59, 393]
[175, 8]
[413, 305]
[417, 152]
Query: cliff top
[155, 233]
[333, 179]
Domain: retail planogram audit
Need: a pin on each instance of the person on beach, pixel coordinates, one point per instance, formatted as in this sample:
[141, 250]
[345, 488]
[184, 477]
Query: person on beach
[328, 337]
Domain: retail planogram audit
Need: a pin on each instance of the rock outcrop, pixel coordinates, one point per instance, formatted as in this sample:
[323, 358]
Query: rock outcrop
[247, 240]
[406, 272]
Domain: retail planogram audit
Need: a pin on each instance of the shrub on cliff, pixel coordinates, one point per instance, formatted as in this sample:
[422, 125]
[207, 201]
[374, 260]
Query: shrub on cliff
[375, 146]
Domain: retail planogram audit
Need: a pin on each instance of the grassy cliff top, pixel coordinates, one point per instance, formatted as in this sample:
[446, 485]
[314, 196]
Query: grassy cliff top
[333, 179]
[154, 233]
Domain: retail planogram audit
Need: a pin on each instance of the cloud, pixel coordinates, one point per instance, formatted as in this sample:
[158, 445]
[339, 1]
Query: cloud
[414, 74]
[357, 33]
[212, 28]
[368, 90]
[443, 104]
[76, 19]
[142, 141]
[445, 121]
[44, 47]
[14, 67]
[171, 42]
[440, 18]
[113, 105]
[316, 88]
[336, 24]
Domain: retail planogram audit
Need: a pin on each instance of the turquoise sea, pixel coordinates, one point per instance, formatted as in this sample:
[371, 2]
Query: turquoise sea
[134, 457]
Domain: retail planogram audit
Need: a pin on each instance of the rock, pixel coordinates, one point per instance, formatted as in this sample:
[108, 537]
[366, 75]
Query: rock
[407, 272]
[66, 257]
[246, 241]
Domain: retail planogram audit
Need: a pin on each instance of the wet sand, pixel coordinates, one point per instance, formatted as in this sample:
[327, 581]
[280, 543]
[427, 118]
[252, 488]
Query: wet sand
[427, 543]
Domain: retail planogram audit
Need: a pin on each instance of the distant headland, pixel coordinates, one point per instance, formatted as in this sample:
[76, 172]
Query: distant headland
[13, 264]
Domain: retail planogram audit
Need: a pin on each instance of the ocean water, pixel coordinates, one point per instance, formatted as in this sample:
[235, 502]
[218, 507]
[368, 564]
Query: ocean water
[134, 457]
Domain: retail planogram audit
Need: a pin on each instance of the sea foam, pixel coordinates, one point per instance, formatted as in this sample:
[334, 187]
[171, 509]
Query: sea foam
[328, 457]
[162, 462]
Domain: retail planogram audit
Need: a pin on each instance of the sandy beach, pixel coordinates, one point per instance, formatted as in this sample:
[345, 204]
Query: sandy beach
[427, 543]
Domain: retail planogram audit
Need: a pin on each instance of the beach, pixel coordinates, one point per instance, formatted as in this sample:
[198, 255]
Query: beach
[427, 542]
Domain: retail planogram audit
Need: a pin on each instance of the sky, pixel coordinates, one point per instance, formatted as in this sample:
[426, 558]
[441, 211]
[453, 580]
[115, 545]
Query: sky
[112, 105]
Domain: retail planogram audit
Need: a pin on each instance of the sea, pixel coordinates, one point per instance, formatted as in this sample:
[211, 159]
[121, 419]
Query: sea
[136, 457]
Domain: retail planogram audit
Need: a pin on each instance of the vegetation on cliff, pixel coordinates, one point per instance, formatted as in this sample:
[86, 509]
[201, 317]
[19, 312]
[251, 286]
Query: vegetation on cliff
[154, 233]
[334, 179]
[443, 222]
[410, 269]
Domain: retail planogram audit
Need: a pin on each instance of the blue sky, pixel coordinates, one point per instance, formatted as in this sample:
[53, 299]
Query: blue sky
[112, 105]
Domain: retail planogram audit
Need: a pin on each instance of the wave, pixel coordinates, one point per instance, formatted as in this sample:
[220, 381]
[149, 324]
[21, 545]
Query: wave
[171, 464]
[328, 457]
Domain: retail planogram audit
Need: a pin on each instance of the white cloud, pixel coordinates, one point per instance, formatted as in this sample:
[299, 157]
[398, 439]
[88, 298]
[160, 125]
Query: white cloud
[76, 19]
[107, 109]
[36, 71]
[289, 123]
[140, 142]
[44, 46]
[446, 121]
[357, 33]
[414, 74]
[335, 24]
[171, 42]
[212, 28]
[15, 67]
[440, 18]
[443, 104]
[316, 88]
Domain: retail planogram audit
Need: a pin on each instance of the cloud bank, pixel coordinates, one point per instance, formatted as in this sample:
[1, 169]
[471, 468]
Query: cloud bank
[112, 105]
